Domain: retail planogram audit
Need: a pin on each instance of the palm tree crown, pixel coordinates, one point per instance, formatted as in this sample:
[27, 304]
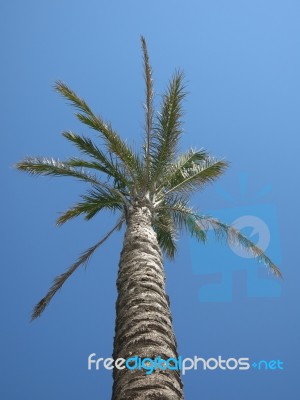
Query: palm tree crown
[121, 178]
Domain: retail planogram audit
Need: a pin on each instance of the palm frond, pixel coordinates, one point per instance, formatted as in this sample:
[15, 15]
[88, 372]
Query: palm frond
[235, 237]
[148, 105]
[70, 95]
[61, 279]
[166, 232]
[54, 167]
[167, 130]
[107, 164]
[80, 163]
[196, 177]
[125, 154]
[112, 140]
[181, 214]
[176, 170]
[97, 200]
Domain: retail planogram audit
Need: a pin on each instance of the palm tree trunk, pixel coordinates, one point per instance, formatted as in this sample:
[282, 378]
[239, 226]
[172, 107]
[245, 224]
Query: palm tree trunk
[143, 320]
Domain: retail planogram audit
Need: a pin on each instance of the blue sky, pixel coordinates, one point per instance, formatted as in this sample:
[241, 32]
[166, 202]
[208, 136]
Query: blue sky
[241, 59]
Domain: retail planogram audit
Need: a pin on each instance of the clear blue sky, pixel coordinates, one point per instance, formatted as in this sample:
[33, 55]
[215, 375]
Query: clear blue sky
[242, 63]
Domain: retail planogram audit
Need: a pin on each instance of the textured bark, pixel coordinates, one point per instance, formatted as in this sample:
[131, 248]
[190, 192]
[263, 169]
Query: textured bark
[143, 320]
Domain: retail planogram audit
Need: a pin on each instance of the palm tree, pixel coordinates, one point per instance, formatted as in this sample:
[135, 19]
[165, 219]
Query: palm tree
[149, 191]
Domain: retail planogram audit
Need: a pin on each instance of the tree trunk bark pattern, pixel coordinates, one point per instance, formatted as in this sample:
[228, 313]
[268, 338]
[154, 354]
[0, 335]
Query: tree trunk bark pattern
[143, 320]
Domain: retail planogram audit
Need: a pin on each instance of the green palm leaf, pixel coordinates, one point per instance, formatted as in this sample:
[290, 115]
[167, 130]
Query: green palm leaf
[111, 139]
[148, 108]
[176, 170]
[104, 163]
[97, 200]
[166, 232]
[168, 128]
[181, 214]
[196, 177]
[232, 235]
[61, 279]
[54, 167]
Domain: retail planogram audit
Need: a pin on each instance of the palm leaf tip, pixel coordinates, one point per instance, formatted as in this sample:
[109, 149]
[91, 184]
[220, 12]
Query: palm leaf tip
[38, 309]
[168, 126]
[72, 97]
[54, 167]
[23, 165]
[236, 238]
[148, 105]
[61, 279]
[239, 239]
